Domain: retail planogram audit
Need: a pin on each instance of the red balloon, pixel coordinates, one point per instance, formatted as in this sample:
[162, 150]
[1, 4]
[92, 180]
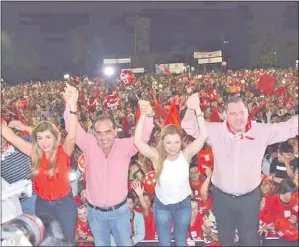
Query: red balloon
[286, 230]
[127, 77]
[149, 182]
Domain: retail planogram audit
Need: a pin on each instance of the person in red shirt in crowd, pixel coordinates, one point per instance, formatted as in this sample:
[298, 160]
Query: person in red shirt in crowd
[200, 187]
[146, 208]
[196, 225]
[83, 233]
[80, 199]
[51, 166]
[279, 215]
[266, 187]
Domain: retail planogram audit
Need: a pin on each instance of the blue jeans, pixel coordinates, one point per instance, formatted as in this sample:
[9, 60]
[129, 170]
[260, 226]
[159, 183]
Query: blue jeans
[178, 213]
[28, 205]
[63, 210]
[117, 222]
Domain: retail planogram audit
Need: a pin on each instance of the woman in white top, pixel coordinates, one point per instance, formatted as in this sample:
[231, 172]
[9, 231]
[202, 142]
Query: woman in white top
[172, 205]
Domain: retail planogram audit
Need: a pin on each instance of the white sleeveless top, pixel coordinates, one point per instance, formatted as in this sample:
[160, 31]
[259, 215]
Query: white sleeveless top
[174, 184]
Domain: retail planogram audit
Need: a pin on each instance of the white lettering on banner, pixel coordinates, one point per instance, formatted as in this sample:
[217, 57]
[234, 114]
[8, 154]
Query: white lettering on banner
[210, 54]
[210, 60]
[117, 60]
[207, 157]
[113, 105]
[173, 68]
[287, 213]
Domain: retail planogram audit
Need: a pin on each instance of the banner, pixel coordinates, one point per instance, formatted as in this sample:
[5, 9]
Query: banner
[170, 68]
[117, 60]
[135, 70]
[210, 60]
[200, 55]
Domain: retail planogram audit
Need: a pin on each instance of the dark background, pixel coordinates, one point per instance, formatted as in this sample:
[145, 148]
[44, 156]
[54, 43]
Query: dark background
[43, 40]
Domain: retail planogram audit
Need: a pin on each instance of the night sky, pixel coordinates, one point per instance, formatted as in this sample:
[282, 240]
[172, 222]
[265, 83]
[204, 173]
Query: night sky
[53, 30]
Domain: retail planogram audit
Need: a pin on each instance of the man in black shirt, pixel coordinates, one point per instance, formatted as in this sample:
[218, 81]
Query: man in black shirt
[285, 164]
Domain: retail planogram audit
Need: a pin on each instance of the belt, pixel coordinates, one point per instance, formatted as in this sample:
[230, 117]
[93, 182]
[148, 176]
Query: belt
[109, 208]
[235, 195]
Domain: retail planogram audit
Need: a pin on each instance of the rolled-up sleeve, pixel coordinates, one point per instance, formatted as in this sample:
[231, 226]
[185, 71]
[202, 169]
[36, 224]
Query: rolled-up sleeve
[189, 124]
[281, 132]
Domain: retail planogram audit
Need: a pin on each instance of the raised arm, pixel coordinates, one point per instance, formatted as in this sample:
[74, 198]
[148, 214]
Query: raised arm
[18, 125]
[194, 147]
[190, 122]
[82, 138]
[204, 190]
[139, 190]
[16, 141]
[71, 98]
[139, 142]
[281, 132]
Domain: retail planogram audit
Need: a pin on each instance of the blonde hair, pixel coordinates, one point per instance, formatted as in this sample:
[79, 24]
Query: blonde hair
[170, 129]
[36, 150]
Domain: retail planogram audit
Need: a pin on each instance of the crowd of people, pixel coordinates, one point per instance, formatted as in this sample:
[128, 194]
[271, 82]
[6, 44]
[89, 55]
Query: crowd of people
[126, 194]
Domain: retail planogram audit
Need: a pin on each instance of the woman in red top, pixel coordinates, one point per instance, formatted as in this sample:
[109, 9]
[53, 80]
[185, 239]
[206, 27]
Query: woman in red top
[51, 166]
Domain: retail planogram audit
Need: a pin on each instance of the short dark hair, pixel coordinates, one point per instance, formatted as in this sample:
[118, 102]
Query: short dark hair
[287, 186]
[103, 118]
[285, 147]
[274, 115]
[130, 196]
[233, 100]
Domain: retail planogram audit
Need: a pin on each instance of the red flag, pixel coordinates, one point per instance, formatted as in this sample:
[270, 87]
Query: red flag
[255, 111]
[19, 105]
[173, 116]
[158, 109]
[279, 91]
[126, 126]
[266, 84]
[137, 116]
[214, 117]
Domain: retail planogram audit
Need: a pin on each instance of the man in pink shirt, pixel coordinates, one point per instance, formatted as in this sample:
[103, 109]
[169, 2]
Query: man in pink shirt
[107, 161]
[238, 148]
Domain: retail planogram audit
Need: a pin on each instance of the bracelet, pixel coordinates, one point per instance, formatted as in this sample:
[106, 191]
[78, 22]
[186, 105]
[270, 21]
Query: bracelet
[74, 112]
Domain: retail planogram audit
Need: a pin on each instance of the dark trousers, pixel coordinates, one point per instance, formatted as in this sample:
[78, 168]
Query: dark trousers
[63, 210]
[240, 213]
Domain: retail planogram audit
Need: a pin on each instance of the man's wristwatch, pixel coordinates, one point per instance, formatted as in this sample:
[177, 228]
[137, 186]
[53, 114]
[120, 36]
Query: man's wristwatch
[74, 112]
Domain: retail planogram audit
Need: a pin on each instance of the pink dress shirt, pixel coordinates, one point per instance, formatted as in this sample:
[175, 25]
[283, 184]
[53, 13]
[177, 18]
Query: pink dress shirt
[107, 178]
[237, 162]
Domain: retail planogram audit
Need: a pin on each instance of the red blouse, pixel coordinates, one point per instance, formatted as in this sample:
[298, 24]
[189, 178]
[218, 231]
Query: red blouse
[59, 185]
